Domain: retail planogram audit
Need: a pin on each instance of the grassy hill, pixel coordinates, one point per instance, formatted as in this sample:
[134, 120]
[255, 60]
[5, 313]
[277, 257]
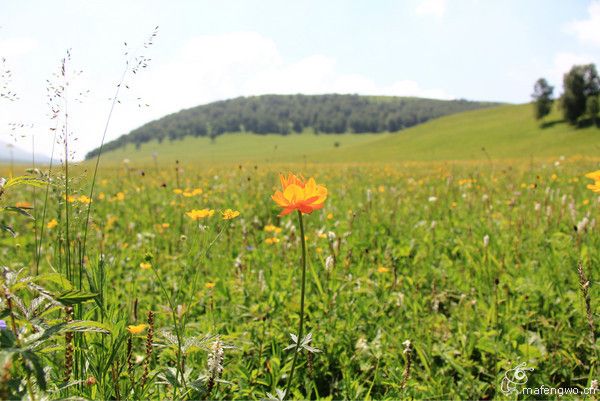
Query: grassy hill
[504, 132]
[287, 114]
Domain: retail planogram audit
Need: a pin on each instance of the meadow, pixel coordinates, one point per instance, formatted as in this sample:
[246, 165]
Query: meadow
[423, 280]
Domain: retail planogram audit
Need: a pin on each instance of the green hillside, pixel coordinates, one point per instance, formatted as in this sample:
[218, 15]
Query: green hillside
[504, 132]
[288, 114]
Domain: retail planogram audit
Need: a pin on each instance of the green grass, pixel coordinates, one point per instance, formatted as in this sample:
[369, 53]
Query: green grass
[411, 263]
[504, 132]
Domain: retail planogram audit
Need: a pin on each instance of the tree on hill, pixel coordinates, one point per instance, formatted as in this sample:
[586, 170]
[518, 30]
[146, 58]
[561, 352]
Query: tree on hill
[542, 95]
[593, 108]
[580, 84]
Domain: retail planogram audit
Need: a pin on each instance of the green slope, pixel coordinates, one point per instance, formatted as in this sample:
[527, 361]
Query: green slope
[504, 132]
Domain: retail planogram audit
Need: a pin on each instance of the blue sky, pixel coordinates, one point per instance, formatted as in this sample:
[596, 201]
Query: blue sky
[207, 50]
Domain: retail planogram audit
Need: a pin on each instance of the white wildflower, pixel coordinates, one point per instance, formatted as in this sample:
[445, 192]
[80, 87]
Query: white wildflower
[581, 226]
[329, 261]
[215, 359]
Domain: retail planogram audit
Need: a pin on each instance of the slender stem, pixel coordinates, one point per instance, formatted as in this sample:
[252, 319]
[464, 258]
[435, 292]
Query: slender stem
[178, 333]
[35, 224]
[301, 326]
[106, 125]
[39, 252]
[67, 236]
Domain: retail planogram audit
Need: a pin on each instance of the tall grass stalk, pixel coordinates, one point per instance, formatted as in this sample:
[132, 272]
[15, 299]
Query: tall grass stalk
[114, 101]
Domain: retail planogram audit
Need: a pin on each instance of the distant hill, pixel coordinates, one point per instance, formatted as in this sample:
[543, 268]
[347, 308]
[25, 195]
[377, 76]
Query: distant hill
[19, 155]
[503, 132]
[286, 114]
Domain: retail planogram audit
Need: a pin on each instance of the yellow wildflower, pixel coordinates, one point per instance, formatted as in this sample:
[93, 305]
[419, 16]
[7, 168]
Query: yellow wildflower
[270, 228]
[209, 285]
[136, 328]
[52, 223]
[272, 240]
[229, 214]
[145, 265]
[594, 175]
[197, 214]
[84, 199]
[382, 269]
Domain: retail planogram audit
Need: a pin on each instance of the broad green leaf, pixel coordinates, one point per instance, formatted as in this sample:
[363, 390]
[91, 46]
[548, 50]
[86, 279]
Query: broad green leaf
[74, 297]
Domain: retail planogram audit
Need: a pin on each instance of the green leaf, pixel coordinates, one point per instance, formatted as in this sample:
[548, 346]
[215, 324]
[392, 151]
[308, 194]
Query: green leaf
[87, 326]
[56, 278]
[82, 326]
[403, 251]
[35, 366]
[20, 210]
[9, 229]
[7, 339]
[25, 180]
[74, 297]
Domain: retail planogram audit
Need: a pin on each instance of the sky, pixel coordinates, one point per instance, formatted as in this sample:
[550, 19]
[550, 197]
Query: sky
[205, 51]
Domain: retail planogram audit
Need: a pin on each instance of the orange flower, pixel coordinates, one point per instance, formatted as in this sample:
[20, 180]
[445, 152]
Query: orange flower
[299, 195]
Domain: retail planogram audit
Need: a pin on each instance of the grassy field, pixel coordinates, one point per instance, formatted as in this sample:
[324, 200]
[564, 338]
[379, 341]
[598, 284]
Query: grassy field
[505, 132]
[474, 264]
[234, 148]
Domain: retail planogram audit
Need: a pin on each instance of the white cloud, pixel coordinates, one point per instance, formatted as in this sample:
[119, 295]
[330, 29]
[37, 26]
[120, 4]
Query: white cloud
[587, 30]
[203, 69]
[436, 8]
[563, 62]
[15, 47]
[215, 67]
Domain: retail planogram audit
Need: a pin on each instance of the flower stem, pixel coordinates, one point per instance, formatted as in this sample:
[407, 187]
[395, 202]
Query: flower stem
[301, 326]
